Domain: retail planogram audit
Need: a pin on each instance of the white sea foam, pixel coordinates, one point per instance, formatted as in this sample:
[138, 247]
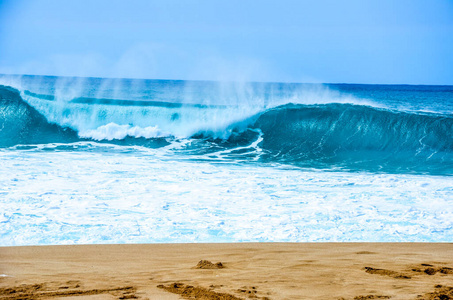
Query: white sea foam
[113, 131]
[116, 121]
[113, 194]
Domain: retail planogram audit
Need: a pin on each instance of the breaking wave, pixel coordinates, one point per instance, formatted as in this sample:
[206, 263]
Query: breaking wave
[330, 136]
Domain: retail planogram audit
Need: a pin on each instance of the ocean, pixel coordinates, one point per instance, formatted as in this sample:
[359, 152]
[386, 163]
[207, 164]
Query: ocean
[93, 160]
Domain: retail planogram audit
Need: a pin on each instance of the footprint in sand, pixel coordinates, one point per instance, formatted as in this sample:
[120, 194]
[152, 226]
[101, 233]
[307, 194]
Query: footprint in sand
[432, 269]
[385, 272]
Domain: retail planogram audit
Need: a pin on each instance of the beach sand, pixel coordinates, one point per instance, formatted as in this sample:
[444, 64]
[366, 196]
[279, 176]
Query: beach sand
[246, 271]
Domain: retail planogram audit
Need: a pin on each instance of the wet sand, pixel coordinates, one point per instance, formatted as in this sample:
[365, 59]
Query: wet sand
[229, 271]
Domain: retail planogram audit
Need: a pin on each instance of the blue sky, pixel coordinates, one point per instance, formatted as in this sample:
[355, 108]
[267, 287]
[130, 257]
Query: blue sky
[405, 41]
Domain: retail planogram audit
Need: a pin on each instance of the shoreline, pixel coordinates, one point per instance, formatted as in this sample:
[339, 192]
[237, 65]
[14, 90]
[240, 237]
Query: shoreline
[248, 270]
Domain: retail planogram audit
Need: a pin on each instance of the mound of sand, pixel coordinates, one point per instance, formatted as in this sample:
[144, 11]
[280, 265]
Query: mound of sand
[206, 264]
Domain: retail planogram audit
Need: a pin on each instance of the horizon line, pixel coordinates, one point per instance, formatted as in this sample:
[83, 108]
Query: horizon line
[226, 81]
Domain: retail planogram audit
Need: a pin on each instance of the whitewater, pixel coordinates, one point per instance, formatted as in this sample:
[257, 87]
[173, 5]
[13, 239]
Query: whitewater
[93, 160]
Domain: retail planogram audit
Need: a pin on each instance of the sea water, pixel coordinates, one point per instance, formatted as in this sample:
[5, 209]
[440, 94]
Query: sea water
[92, 160]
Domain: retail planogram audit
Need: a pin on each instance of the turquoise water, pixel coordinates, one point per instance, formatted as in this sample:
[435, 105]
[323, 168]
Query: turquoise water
[377, 128]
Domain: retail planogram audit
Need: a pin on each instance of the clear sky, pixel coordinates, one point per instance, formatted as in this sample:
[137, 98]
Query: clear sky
[382, 41]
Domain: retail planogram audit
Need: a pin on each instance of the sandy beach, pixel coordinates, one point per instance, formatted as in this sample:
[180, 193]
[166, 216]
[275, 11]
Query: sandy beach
[228, 271]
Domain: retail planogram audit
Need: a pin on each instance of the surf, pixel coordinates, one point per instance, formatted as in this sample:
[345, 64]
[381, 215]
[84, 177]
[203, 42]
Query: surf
[320, 133]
